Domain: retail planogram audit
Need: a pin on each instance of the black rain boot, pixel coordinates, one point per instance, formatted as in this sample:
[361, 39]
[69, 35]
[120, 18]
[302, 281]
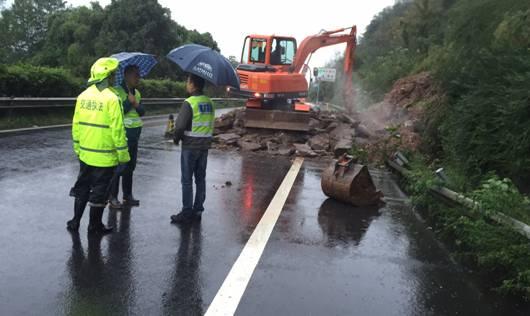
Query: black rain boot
[131, 201]
[79, 209]
[128, 198]
[114, 190]
[115, 203]
[96, 224]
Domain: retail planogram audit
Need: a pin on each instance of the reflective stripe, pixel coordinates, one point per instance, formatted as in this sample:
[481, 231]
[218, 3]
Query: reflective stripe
[94, 125]
[193, 134]
[122, 148]
[103, 151]
[202, 124]
[131, 120]
[76, 141]
[97, 204]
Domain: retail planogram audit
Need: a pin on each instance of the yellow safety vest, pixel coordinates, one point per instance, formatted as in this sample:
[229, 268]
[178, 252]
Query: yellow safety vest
[131, 119]
[203, 116]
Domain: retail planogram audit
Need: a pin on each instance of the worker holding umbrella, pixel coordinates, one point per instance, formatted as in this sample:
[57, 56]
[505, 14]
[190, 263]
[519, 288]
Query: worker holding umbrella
[195, 122]
[132, 67]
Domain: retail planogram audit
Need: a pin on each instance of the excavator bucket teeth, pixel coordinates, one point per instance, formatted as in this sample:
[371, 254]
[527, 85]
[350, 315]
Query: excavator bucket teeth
[276, 119]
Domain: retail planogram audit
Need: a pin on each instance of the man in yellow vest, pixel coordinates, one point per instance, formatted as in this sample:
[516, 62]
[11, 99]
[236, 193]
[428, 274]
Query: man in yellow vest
[133, 111]
[99, 142]
[194, 127]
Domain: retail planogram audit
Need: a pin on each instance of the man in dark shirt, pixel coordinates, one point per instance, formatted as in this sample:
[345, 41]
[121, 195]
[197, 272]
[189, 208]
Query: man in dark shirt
[194, 127]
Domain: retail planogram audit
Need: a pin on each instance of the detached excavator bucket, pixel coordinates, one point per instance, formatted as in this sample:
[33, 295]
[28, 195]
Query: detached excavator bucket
[350, 183]
[277, 119]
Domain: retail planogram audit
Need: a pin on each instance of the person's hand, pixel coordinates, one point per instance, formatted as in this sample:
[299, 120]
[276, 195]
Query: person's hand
[121, 168]
[176, 141]
[132, 100]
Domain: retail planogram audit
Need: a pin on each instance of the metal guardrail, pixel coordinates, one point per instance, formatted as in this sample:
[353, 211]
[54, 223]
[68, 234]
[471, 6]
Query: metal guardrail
[501, 218]
[46, 103]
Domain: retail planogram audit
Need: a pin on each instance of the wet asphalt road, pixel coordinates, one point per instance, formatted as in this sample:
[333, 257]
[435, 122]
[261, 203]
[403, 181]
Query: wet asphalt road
[323, 258]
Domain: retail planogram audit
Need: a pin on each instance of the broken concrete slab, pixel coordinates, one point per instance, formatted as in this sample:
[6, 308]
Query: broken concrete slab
[304, 150]
[363, 131]
[319, 142]
[332, 126]
[342, 131]
[248, 145]
[228, 138]
[286, 150]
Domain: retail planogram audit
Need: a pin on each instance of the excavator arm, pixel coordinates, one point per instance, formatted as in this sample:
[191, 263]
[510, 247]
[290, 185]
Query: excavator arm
[312, 43]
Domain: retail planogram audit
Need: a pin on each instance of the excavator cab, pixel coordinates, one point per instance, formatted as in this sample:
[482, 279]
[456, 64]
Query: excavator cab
[274, 93]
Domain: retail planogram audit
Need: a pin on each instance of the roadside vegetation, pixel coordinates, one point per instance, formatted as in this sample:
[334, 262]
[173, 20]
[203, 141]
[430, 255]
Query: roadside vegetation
[477, 126]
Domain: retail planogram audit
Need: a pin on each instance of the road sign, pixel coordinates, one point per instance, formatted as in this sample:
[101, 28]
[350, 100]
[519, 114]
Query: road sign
[326, 74]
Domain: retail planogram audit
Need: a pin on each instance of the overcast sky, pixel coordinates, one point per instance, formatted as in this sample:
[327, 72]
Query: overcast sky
[230, 21]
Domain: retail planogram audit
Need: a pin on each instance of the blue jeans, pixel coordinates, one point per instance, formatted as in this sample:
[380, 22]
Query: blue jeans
[193, 164]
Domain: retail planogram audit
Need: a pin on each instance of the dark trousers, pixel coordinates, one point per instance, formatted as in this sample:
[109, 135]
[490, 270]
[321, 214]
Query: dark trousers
[93, 184]
[193, 164]
[127, 175]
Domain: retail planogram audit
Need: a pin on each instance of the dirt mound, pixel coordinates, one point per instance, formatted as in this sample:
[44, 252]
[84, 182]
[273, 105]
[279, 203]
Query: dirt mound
[396, 121]
[411, 90]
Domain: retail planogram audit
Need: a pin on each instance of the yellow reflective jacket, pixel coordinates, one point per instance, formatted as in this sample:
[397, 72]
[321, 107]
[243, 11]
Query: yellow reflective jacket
[98, 133]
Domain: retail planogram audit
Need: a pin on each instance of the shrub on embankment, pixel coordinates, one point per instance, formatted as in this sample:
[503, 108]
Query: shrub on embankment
[33, 81]
[23, 80]
[494, 251]
[164, 88]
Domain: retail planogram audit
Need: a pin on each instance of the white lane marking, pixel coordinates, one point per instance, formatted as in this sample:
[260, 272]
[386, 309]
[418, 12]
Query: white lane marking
[230, 293]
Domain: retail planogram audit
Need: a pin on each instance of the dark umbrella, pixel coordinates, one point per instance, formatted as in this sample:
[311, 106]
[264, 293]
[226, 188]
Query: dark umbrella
[205, 63]
[145, 63]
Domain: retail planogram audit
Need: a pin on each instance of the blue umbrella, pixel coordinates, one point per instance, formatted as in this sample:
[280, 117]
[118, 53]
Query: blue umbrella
[205, 63]
[145, 63]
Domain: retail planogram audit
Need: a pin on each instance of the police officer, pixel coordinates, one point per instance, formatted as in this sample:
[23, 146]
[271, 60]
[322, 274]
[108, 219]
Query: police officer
[194, 126]
[99, 142]
[133, 111]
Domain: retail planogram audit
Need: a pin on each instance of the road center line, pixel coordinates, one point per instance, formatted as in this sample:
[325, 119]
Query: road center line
[235, 284]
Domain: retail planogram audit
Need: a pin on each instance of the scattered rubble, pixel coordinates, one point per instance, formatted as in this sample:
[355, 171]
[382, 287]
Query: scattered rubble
[330, 134]
[389, 125]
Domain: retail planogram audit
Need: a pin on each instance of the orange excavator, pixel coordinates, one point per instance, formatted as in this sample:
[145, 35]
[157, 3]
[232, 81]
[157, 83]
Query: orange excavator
[272, 77]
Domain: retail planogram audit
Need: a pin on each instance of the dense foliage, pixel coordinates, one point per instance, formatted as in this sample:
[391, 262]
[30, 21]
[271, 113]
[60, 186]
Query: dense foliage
[479, 54]
[47, 33]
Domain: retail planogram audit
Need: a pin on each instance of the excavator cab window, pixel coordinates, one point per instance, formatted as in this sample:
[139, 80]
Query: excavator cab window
[254, 50]
[282, 51]
[257, 50]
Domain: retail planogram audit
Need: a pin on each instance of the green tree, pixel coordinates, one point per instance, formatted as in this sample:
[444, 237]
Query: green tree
[70, 42]
[79, 35]
[24, 26]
